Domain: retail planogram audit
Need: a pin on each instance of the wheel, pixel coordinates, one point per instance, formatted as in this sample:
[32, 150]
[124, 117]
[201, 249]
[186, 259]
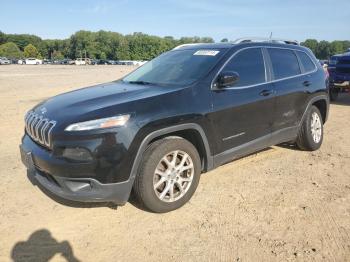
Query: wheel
[334, 93]
[310, 135]
[168, 176]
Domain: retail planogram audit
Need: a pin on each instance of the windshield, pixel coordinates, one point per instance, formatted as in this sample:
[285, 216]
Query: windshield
[176, 67]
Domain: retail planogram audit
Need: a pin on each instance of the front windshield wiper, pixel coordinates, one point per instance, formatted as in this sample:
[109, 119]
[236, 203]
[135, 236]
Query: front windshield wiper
[140, 82]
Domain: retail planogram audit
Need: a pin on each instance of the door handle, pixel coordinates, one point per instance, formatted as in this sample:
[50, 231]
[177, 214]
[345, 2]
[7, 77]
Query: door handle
[266, 92]
[307, 83]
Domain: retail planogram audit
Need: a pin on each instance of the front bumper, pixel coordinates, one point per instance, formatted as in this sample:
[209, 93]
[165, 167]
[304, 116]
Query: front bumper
[55, 176]
[83, 190]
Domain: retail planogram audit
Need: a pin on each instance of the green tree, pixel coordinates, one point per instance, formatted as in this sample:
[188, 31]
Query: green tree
[2, 38]
[323, 50]
[337, 47]
[10, 50]
[207, 40]
[57, 55]
[30, 51]
[224, 40]
[22, 40]
[312, 44]
[103, 55]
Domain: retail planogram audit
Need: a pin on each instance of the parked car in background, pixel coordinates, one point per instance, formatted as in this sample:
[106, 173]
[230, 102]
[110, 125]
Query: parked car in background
[67, 61]
[184, 113]
[20, 61]
[47, 61]
[82, 61]
[339, 74]
[33, 61]
[130, 62]
[105, 62]
[139, 63]
[94, 62]
[4, 61]
[13, 61]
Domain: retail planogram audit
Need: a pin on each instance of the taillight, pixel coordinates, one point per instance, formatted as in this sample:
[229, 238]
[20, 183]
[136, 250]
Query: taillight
[326, 72]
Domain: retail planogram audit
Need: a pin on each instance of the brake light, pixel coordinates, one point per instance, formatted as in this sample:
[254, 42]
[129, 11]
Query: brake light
[326, 72]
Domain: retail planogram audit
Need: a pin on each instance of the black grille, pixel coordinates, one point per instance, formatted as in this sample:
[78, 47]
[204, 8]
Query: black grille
[39, 128]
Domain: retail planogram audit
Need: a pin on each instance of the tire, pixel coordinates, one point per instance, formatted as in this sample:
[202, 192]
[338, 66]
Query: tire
[310, 138]
[154, 169]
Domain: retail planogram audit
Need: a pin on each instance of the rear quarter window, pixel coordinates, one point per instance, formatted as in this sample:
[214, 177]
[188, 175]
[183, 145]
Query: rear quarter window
[306, 61]
[284, 63]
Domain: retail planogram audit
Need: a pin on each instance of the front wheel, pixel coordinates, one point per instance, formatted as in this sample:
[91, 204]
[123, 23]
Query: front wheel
[168, 176]
[310, 135]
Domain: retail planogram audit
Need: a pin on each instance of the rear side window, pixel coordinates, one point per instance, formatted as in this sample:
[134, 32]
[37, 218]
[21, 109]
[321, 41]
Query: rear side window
[249, 64]
[284, 63]
[306, 62]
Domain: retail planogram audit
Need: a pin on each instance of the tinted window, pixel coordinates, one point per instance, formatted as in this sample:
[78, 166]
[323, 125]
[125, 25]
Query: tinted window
[284, 63]
[306, 62]
[249, 64]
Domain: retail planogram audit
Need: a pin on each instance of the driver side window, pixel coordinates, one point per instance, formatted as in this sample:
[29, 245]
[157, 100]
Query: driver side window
[249, 64]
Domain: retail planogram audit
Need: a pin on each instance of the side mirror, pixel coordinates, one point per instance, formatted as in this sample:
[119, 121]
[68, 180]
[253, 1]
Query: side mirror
[227, 78]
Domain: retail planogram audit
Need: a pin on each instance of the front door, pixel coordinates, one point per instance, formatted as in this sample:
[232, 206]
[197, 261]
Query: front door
[243, 112]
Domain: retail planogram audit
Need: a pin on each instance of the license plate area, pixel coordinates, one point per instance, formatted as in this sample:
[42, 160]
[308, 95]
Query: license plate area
[27, 159]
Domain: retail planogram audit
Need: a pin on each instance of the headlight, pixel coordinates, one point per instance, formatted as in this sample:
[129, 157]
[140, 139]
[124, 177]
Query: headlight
[99, 123]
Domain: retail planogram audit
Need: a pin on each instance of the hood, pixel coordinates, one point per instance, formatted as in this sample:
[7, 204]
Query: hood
[91, 101]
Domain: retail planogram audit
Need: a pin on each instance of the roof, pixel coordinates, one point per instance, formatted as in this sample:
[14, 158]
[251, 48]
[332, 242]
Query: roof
[205, 45]
[241, 41]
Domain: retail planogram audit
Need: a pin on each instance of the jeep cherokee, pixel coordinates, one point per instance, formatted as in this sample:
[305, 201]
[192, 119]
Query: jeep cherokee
[184, 113]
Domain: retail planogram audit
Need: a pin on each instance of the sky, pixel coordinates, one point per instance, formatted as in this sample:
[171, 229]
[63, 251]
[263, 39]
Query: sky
[297, 20]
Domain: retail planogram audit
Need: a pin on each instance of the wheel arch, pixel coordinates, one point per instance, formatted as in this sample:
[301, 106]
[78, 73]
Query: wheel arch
[322, 107]
[322, 103]
[192, 132]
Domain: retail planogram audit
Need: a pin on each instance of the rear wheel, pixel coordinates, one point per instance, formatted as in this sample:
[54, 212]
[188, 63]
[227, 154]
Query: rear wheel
[310, 135]
[168, 176]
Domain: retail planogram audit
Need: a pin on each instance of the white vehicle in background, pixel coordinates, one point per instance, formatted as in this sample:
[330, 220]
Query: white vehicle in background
[131, 62]
[139, 63]
[82, 61]
[33, 61]
[4, 61]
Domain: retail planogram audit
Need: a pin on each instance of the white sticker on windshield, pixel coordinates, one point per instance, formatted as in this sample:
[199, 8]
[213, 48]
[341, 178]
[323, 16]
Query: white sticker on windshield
[207, 52]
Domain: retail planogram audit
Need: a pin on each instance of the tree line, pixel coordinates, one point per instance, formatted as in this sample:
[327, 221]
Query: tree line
[115, 46]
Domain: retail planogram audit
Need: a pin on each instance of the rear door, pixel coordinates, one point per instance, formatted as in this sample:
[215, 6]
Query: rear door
[290, 86]
[243, 112]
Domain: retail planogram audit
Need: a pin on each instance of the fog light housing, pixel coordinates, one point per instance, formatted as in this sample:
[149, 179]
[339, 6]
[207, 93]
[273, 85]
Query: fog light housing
[77, 154]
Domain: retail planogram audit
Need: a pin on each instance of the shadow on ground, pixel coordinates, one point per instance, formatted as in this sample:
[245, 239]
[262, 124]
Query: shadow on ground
[42, 247]
[342, 100]
[291, 146]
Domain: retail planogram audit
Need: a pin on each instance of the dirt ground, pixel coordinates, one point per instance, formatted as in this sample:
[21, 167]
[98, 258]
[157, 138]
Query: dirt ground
[281, 204]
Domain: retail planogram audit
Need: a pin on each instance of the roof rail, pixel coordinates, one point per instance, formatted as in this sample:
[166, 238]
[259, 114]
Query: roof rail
[176, 47]
[264, 39]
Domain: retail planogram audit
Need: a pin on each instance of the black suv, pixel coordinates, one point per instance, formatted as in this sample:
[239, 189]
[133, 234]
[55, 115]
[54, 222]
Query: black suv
[184, 113]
